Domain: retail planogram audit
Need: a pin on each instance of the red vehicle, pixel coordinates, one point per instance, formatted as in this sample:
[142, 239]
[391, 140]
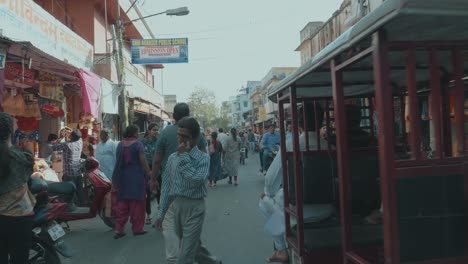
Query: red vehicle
[405, 66]
[47, 233]
[98, 192]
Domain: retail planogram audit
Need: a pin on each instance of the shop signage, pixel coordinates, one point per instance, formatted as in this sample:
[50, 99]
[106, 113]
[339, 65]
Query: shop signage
[24, 20]
[141, 106]
[154, 51]
[18, 74]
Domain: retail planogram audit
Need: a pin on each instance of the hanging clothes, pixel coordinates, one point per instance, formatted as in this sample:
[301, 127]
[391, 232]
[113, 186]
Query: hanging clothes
[91, 89]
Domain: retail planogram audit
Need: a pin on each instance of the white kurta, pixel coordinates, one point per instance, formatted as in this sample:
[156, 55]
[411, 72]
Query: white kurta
[105, 154]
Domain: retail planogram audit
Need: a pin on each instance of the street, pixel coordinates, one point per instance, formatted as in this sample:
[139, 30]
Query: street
[233, 229]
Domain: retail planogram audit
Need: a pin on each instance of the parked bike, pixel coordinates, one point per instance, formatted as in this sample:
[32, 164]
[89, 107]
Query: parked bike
[97, 188]
[47, 234]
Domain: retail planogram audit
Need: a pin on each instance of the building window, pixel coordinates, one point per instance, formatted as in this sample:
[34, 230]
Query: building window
[246, 104]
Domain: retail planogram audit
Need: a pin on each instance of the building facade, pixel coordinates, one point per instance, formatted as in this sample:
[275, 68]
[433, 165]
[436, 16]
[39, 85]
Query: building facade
[170, 101]
[268, 109]
[62, 39]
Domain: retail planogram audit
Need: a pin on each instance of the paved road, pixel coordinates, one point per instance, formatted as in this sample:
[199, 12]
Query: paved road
[233, 229]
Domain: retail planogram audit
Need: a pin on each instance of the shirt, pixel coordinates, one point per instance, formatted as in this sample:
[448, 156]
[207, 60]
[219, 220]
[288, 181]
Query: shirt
[71, 157]
[274, 175]
[167, 143]
[251, 137]
[18, 202]
[288, 136]
[269, 140]
[150, 148]
[222, 137]
[106, 155]
[185, 175]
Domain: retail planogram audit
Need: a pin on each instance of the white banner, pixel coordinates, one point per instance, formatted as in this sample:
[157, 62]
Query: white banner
[24, 20]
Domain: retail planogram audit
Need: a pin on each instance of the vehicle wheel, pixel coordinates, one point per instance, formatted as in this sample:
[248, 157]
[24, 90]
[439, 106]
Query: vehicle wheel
[109, 221]
[42, 252]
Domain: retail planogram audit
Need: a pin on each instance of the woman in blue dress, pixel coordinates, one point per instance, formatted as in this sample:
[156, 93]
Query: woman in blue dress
[216, 150]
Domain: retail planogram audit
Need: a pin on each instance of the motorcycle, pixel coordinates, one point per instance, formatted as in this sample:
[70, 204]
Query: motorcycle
[97, 188]
[47, 234]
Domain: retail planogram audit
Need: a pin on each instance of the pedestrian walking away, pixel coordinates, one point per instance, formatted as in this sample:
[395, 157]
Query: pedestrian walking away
[185, 189]
[216, 151]
[149, 141]
[129, 182]
[231, 153]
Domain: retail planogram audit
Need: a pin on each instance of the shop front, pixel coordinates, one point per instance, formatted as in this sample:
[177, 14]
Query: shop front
[45, 81]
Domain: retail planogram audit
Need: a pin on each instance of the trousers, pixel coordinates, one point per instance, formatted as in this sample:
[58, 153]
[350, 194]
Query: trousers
[177, 222]
[133, 209]
[15, 238]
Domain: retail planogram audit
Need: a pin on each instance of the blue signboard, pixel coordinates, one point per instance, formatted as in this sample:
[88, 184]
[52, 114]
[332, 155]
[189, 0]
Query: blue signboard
[155, 51]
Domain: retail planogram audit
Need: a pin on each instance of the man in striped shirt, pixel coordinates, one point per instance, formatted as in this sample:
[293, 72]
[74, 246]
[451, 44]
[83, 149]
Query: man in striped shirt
[184, 187]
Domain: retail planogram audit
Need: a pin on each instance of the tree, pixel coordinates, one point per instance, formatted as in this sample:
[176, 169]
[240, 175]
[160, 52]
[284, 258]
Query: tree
[202, 103]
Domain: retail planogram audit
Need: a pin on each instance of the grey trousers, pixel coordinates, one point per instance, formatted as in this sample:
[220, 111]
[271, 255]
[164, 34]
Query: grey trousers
[189, 215]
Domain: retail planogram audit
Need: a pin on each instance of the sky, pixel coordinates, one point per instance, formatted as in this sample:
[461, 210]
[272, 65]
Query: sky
[231, 42]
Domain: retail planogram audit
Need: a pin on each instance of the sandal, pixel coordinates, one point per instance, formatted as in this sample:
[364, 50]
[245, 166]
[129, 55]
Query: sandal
[119, 235]
[148, 221]
[276, 257]
[144, 232]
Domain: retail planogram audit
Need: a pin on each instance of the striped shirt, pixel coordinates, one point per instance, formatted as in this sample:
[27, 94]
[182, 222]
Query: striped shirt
[185, 175]
[71, 157]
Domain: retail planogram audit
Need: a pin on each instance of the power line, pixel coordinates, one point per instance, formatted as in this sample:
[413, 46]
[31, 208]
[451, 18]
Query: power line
[228, 27]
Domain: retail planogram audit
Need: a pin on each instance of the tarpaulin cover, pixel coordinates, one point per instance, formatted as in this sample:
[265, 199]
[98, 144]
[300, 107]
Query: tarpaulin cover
[91, 90]
[110, 98]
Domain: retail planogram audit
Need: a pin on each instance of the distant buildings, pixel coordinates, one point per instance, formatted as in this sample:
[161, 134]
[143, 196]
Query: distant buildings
[170, 101]
[251, 106]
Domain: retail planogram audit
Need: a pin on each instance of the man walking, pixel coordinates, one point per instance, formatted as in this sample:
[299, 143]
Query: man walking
[269, 140]
[166, 146]
[251, 139]
[185, 189]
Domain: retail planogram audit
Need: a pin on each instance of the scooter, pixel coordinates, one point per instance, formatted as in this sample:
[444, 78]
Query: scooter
[47, 234]
[97, 188]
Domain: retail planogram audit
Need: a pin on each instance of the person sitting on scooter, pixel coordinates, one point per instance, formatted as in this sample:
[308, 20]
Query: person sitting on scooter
[16, 202]
[269, 140]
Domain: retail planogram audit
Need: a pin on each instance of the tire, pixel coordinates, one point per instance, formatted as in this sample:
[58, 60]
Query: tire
[108, 221]
[42, 252]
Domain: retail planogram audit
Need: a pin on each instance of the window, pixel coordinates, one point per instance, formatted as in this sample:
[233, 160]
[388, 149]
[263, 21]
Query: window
[246, 104]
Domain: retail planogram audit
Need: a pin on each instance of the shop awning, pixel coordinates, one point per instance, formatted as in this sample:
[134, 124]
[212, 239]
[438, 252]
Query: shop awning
[403, 20]
[41, 60]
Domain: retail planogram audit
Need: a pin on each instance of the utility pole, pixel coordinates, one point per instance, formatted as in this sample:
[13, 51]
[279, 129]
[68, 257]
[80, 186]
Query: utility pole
[118, 52]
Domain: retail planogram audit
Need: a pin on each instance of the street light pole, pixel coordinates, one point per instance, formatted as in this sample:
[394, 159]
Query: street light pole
[117, 36]
[118, 51]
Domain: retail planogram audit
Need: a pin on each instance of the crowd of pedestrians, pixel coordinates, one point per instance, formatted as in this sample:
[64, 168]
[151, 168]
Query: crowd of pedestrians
[173, 165]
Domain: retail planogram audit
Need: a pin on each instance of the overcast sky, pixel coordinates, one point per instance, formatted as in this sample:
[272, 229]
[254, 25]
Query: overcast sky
[231, 42]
